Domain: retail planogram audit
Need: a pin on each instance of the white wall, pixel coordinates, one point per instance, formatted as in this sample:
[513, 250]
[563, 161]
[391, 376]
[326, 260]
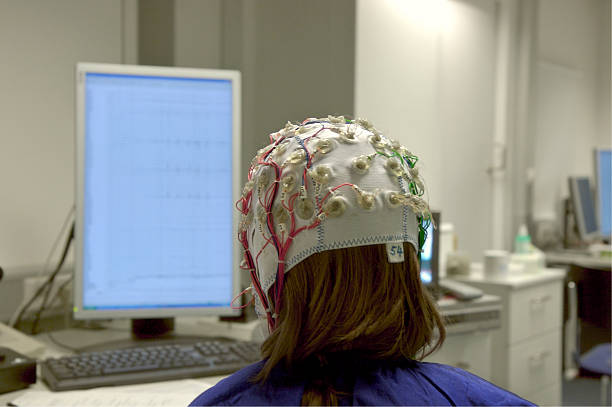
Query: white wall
[572, 100]
[296, 59]
[197, 33]
[41, 41]
[425, 75]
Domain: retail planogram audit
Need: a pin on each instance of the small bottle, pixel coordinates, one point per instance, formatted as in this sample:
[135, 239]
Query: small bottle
[522, 242]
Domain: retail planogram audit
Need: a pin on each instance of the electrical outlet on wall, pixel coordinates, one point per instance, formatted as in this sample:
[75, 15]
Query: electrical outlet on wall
[55, 299]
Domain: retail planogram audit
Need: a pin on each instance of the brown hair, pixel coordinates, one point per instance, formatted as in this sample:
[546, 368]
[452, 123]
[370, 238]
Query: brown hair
[351, 300]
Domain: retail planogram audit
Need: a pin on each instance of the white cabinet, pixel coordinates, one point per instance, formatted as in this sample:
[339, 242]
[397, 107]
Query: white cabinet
[470, 351]
[469, 333]
[526, 350]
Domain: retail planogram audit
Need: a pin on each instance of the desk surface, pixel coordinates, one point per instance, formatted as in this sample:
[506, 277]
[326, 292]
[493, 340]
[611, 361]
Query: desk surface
[512, 281]
[119, 330]
[578, 259]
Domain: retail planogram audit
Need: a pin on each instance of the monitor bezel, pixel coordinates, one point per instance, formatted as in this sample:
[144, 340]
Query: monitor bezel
[596, 159]
[83, 68]
[579, 210]
[435, 252]
[435, 261]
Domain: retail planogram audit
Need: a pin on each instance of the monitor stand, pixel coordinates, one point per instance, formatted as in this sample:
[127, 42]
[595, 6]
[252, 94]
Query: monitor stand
[152, 328]
[149, 332]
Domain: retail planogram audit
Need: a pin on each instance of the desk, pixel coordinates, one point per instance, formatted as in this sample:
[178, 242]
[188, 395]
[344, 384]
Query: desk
[568, 258]
[468, 341]
[120, 330]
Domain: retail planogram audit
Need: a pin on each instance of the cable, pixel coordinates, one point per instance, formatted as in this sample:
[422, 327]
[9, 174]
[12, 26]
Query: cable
[51, 279]
[19, 311]
[60, 289]
[45, 268]
[43, 286]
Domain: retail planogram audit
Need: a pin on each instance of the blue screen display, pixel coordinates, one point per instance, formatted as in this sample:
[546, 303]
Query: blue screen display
[157, 211]
[427, 257]
[604, 189]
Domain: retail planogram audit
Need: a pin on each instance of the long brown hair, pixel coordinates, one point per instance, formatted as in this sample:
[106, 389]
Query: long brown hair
[351, 301]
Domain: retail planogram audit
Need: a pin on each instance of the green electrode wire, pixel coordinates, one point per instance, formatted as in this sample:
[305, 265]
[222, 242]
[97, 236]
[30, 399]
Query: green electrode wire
[423, 225]
[423, 222]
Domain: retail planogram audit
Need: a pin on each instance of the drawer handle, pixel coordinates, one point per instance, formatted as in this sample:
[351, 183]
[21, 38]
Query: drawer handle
[538, 303]
[538, 359]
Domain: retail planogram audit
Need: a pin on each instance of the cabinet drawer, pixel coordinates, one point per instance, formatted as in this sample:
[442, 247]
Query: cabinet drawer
[535, 310]
[535, 364]
[549, 396]
[469, 351]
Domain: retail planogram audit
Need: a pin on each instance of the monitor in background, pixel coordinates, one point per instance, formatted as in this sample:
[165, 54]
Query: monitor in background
[430, 254]
[157, 175]
[584, 208]
[603, 183]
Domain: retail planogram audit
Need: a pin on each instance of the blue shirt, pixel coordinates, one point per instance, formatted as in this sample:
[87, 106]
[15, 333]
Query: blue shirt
[371, 383]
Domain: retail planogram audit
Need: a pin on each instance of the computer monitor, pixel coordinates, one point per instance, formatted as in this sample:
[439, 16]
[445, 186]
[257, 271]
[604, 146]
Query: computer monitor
[430, 254]
[157, 175]
[603, 183]
[584, 208]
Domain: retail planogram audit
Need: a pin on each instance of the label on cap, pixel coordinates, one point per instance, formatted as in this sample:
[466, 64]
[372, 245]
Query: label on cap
[395, 252]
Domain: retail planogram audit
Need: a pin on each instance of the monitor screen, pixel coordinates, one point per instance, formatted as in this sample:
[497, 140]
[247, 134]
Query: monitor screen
[429, 254]
[584, 207]
[157, 177]
[603, 172]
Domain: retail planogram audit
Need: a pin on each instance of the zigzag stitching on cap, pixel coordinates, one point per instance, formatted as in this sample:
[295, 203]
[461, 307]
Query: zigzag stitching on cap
[302, 255]
[404, 209]
[363, 241]
[320, 237]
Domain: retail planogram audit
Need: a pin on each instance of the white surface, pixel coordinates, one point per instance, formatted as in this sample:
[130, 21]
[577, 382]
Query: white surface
[197, 33]
[583, 260]
[535, 310]
[20, 342]
[527, 348]
[535, 364]
[41, 41]
[512, 281]
[424, 70]
[547, 396]
[171, 393]
[469, 351]
[572, 98]
[496, 263]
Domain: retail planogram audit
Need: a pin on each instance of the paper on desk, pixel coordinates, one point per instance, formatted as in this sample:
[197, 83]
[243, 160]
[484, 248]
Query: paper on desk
[175, 393]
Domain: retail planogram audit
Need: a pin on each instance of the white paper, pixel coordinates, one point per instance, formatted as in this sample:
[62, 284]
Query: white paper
[175, 393]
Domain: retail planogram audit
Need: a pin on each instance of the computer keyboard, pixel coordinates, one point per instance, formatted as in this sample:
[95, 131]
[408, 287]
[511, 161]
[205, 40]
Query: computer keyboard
[148, 364]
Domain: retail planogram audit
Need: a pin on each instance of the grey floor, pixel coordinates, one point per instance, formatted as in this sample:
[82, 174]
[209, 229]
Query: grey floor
[582, 391]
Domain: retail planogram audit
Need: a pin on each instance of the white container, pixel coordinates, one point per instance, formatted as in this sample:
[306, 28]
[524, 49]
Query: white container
[447, 245]
[496, 263]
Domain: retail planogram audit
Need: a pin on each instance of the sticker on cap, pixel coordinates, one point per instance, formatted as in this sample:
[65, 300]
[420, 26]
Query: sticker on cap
[395, 252]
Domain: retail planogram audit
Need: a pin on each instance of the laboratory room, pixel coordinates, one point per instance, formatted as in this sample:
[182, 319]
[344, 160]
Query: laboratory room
[289, 202]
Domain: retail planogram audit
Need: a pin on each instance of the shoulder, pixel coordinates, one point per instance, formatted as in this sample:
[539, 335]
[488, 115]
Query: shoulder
[420, 383]
[239, 389]
[465, 388]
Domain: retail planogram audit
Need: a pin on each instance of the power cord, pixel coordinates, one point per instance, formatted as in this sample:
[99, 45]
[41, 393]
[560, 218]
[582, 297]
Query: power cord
[16, 317]
[47, 285]
[51, 279]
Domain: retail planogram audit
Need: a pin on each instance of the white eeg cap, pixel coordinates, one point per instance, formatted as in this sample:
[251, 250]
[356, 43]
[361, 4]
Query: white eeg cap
[325, 184]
